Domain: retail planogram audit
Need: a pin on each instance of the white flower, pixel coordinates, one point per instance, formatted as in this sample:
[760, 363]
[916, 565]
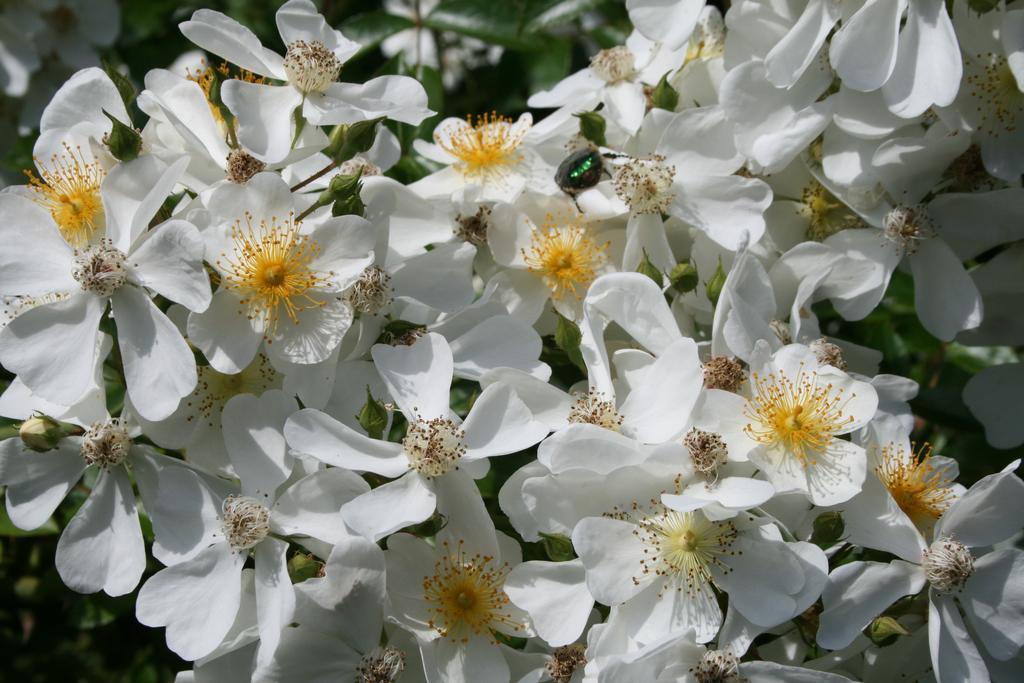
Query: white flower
[281, 283]
[796, 411]
[198, 596]
[51, 346]
[310, 70]
[436, 462]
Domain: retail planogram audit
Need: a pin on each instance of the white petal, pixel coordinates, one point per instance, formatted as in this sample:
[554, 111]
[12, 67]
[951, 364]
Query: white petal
[498, 342]
[133, 192]
[612, 554]
[317, 434]
[36, 260]
[299, 20]
[874, 520]
[159, 367]
[991, 395]
[700, 142]
[993, 600]
[737, 493]
[170, 262]
[265, 117]
[860, 591]
[52, 347]
[446, 659]
[37, 482]
[275, 597]
[225, 37]
[587, 446]
[391, 506]
[763, 578]
[989, 512]
[863, 69]
[625, 104]
[310, 506]
[419, 376]
[255, 440]
[955, 657]
[556, 597]
[500, 423]
[729, 209]
[345, 248]
[459, 501]
[669, 22]
[660, 406]
[89, 85]
[928, 64]
[102, 547]
[224, 334]
[197, 600]
[789, 58]
[399, 98]
[946, 299]
[316, 334]
[441, 278]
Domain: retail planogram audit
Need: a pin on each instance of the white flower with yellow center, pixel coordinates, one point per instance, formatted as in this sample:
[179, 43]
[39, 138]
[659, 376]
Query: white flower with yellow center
[310, 69]
[452, 598]
[796, 412]
[660, 568]
[489, 158]
[280, 286]
[119, 267]
[435, 464]
[198, 596]
[968, 585]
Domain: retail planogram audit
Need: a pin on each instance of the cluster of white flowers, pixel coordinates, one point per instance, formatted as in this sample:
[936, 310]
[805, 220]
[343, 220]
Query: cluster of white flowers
[728, 495]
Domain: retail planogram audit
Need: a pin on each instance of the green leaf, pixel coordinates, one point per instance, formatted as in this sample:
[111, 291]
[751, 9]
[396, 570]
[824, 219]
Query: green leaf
[558, 547]
[568, 338]
[372, 28]
[487, 20]
[548, 66]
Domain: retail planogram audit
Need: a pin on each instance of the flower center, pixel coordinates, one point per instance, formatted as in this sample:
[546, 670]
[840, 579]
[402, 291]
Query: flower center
[644, 184]
[920, 489]
[828, 353]
[245, 520]
[683, 547]
[564, 662]
[614, 64]
[708, 452]
[242, 166]
[906, 226]
[70, 190]
[372, 292]
[311, 67]
[724, 372]
[100, 268]
[214, 389]
[485, 148]
[825, 213]
[271, 270]
[797, 415]
[591, 408]
[434, 446]
[381, 665]
[361, 165]
[106, 444]
[947, 565]
[466, 595]
[992, 85]
[473, 229]
[564, 256]
[717, 666]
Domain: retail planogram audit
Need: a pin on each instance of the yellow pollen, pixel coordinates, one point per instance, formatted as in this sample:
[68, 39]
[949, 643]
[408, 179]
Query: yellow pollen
[466, 595]
[492, 142]
[684, 547]
[563, 254]
[922, 490]
[797, 415]
[271, 270]
[826, 214]
[207, 78]
[69, 188]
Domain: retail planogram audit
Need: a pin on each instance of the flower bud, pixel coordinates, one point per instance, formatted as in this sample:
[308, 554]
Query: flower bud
[373, 416]
[558, 547]
[884, 629]
[683, 277]
[664, 96]
[592, 127]
[41, 432]
[715, 284]
[346, 141]
[828, 529]
[123, 141]
[649, 269]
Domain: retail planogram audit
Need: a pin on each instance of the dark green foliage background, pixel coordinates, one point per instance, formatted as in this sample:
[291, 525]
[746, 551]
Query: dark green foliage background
[48, 633]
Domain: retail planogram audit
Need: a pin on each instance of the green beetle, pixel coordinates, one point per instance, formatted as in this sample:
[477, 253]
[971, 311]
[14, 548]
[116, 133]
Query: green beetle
[580, 171]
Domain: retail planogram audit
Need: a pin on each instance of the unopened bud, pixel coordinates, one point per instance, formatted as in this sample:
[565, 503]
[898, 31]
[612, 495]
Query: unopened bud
[592, 127]
[558, 547]
[41, 433]
[828, 529]
[684, 277]
[664, 96]
[346, 141]
[715, 284]
[650, 270]
[373, 416]
[123, 141]
[883, 630]
[302, 566]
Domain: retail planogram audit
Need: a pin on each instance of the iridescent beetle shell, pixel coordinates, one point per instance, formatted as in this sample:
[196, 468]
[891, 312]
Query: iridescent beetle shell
[579, 171]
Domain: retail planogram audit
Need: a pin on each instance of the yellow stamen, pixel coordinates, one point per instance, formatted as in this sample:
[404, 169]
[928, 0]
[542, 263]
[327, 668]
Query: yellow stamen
[483, 148]
[466, 595]
[271, 270]
[920, 489]
[797, 415]
[563, 254]
[70, 189]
